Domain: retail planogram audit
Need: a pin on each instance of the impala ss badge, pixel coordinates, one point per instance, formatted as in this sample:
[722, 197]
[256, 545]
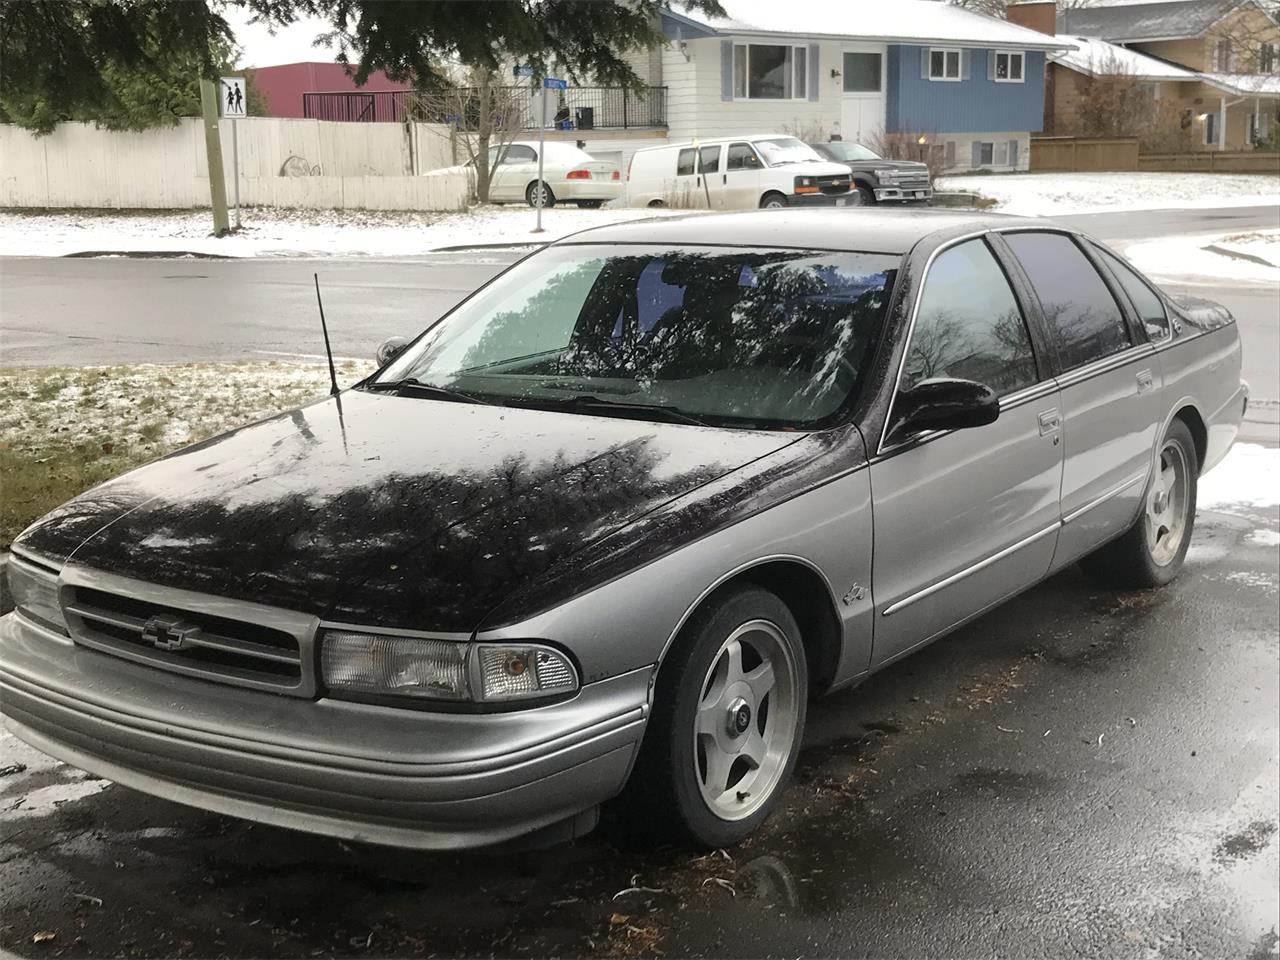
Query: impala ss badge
[168, 633]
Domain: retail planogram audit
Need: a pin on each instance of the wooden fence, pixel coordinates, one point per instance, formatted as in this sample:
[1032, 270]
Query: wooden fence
[1085, 154]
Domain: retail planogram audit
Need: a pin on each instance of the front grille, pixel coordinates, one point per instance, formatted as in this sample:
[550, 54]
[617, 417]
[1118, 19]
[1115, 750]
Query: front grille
[185, 641]
[833, 186]
[920, 182]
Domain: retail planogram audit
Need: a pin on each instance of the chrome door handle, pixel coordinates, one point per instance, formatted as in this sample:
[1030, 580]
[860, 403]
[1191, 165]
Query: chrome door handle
[1145, 381]
[1050, 420]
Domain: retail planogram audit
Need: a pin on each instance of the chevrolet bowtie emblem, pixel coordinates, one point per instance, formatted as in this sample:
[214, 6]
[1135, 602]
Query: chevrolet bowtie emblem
[168, 633]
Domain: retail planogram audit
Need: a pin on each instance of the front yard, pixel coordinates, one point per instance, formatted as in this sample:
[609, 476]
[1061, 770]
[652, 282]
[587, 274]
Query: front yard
[62, 429]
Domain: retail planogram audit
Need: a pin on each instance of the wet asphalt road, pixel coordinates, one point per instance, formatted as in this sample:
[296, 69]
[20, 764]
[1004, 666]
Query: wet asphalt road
[1081, 773]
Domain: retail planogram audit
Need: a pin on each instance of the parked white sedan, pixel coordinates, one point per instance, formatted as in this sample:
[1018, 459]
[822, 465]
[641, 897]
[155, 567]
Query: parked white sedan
[569, 175]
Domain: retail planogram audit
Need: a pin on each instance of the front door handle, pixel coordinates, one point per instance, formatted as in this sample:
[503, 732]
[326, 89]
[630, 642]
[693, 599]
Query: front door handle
[1050, 420]
[1145, 381]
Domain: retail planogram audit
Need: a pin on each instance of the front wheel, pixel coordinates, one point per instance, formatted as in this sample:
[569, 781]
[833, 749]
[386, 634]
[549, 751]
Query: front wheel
[532, 191]
[727, 720]
[589, 204]
[772, 201]
[863, 196]
[1152, 551]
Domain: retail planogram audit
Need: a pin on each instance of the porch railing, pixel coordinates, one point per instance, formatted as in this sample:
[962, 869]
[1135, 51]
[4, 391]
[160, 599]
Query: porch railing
[577, 108]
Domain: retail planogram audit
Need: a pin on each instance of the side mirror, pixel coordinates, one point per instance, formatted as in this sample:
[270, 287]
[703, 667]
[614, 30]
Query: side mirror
[389, 349]
[945, 404]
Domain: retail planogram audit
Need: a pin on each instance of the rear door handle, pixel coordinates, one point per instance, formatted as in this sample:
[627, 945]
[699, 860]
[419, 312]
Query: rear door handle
[1145, 381]
[1050, 420]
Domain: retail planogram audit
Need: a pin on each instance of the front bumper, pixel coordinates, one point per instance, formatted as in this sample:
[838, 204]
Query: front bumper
[405, 777]
[891, 193]
[847, 199]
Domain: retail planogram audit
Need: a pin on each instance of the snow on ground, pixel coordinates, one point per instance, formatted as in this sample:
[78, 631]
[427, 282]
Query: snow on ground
[1054, 194]
[1231, 257]
[270, 232]
[1248, 476]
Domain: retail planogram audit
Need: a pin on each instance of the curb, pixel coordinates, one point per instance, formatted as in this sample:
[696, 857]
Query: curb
[148, 255]
[1239, 255]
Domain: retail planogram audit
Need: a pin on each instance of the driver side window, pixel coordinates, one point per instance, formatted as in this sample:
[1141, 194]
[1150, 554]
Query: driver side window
[742, 157]
[968, 325]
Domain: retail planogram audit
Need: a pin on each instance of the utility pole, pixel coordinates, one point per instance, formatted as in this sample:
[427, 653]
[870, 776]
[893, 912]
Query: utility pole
[213, 148]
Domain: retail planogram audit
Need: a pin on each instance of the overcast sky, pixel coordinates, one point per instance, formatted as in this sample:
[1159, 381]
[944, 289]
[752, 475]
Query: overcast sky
[290, 44]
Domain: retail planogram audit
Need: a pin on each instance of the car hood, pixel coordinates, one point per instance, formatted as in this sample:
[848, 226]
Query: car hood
[906, 165]
[814, 168]
[386, 510]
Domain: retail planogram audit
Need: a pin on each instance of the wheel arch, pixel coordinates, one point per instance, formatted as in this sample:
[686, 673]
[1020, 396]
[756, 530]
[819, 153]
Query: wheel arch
[803, 587]
[1189, 413]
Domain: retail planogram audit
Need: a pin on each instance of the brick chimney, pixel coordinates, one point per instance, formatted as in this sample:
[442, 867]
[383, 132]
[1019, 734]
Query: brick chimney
[1041, 15]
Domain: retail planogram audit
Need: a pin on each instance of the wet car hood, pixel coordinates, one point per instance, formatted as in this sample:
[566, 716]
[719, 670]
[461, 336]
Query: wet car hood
[387, 510]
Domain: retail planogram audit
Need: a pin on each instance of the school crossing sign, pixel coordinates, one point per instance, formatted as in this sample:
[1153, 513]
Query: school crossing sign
[232, 101]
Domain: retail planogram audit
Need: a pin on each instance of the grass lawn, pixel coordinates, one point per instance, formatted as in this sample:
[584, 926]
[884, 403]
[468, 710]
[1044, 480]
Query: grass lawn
[63, 430]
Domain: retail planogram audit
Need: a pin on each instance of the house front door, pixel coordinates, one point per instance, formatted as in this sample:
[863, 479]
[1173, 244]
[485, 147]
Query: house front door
[862, 104]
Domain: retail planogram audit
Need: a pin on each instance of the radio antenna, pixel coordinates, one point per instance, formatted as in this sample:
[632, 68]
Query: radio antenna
[328, 350]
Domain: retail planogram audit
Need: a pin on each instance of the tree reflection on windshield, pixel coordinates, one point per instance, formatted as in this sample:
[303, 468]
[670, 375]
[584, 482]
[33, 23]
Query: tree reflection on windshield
[745, 337]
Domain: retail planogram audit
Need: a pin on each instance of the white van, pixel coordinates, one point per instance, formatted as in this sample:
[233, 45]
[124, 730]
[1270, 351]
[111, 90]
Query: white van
[736, 173]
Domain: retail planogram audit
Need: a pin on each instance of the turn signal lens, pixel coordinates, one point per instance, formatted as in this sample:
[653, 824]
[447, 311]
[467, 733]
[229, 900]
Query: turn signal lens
[509, 672]
[578, 175]
[617, 175]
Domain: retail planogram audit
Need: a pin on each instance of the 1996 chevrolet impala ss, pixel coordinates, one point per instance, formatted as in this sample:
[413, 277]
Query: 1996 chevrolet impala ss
[613, 520]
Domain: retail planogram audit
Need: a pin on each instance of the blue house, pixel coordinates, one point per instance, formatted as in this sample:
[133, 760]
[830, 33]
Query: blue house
[970, 85]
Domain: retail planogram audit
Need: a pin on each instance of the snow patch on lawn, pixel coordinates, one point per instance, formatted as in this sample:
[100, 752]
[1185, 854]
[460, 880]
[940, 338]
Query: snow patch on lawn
[1265, 538]
[1248, 476]
[1210, 257]
[298, 233]
[1054, 194]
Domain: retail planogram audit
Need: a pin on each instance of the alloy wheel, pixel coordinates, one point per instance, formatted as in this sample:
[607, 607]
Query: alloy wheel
[1166, 507]
[746, 720]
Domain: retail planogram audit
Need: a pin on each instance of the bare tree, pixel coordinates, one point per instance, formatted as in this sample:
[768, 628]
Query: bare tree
[482, 115]
[919, 145]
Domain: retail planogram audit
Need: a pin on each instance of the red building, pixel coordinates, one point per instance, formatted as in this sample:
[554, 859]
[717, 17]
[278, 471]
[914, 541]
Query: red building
[283, 85]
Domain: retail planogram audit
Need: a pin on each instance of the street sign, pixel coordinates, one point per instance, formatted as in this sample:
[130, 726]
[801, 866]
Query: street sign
[522, 71]
[231, 98]
[551, 83]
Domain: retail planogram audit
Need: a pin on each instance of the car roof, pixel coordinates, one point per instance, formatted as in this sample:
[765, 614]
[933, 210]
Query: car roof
[709, 141]
[859, 228]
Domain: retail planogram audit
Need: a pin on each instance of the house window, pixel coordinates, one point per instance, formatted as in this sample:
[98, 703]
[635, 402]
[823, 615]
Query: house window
[768, 72]
[986, 154]
[1151, 90]
[1267, 58]
[1210, 129]
[1007, 67]
[861, 72]
[944, 64]
[1222, 56]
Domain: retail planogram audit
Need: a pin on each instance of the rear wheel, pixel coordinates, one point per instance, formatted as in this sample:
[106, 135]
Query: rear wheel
[657, 203]
[590, 204]
[772, 201]
[727, 720]
[1151, 552]
[531, 194]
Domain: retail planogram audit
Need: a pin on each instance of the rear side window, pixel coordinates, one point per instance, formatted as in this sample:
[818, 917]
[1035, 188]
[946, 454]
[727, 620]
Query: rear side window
[519, 153]
[1080, 311]
[1151, 311]
[684, 163]
[968, 324]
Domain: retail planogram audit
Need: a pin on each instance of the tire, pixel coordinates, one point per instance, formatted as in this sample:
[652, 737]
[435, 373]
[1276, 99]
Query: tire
[589, 204]
[1151, 552]
[773, 201]
[531, 197]
[696, 733]
[656, 203]
[865, 196]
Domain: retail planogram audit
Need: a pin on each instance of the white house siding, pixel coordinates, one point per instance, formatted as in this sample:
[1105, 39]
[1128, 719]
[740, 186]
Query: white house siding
[695, 107]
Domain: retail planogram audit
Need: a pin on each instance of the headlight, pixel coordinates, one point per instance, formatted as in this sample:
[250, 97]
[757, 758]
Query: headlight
[35, 594]
[806, 185]
[440, 670]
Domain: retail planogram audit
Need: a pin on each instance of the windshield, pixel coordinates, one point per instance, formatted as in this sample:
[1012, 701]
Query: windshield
[728, 336]
[844, 150]
[785, 150]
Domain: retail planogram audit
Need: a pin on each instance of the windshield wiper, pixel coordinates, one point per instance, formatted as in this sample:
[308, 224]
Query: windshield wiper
[412, 384]
[588, 403]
